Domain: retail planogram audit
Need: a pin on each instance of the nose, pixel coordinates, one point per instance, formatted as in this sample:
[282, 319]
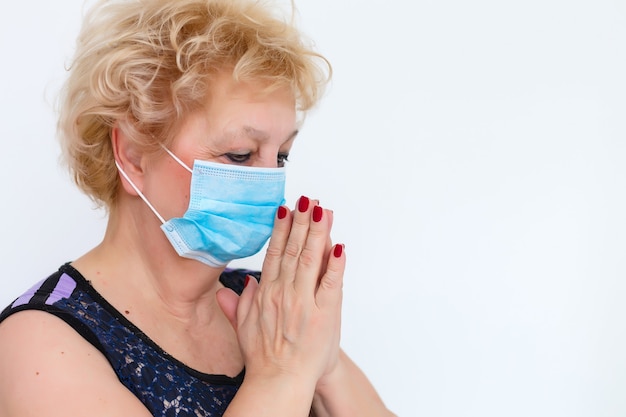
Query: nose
[268, 159]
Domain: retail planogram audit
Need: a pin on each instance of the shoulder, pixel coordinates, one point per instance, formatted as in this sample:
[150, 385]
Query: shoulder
[46, 292]
[47, 368]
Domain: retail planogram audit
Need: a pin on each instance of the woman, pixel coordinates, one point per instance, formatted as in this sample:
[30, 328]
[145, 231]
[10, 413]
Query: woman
[178, 116]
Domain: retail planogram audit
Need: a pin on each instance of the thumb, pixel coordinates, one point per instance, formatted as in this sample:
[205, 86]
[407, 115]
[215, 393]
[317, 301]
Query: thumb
[244, 309]
[228, 300]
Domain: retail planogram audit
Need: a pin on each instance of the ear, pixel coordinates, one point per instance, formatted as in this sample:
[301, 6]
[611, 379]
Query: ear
[129, 159]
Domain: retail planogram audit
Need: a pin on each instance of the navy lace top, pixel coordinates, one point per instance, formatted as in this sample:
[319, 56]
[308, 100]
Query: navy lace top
[166, 386]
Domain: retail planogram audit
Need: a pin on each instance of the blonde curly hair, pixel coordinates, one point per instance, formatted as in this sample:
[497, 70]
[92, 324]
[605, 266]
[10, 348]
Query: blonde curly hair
[145, 64]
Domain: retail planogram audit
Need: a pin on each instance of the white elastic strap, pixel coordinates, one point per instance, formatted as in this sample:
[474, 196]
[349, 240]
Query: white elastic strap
[119, 168]
[177, 159]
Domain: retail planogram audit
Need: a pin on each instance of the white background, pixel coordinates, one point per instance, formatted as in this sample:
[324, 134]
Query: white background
[474, 155]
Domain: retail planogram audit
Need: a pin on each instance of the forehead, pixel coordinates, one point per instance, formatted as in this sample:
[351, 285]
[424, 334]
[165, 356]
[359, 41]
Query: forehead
[241, 111]
[249, 104]
[224, 85]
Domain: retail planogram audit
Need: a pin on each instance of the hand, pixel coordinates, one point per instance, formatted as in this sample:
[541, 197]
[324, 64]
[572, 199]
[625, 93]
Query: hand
[289, 325]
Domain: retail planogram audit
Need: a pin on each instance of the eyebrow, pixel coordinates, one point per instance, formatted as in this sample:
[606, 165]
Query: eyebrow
[262, 135]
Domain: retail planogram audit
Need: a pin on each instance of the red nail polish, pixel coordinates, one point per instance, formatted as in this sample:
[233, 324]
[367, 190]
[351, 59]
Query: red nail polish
[338, 251]
[245, 283]
[317, 213]
[282, 212]
[303, 204]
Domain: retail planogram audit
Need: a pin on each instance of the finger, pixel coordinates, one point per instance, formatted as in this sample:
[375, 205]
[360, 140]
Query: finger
[276, 247]
[297, 239]
[228, 300]
[244, 309]
[329, 293]
[311, 262]
[328, 246]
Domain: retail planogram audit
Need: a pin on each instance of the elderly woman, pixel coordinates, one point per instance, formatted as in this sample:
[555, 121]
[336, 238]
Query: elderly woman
[178, 116]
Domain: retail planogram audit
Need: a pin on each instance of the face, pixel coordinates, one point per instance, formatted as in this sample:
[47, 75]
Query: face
[240, 124]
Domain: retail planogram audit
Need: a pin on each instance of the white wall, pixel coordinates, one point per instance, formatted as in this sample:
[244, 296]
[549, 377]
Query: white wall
[474, 155]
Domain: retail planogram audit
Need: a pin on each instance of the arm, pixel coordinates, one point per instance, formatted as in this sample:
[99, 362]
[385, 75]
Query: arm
[46, 368]
[281, 395]
[347, 392]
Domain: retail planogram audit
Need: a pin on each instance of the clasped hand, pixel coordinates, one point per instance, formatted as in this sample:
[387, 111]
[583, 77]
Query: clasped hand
[289, 324]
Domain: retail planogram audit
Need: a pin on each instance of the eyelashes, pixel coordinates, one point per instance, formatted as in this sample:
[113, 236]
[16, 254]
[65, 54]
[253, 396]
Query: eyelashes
[282, 158]
[237, 158]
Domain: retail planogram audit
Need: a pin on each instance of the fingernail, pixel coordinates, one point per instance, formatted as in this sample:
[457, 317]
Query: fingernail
[282, 212]
[317, 213]
[303, 204]
[338, 251]
[245, 283]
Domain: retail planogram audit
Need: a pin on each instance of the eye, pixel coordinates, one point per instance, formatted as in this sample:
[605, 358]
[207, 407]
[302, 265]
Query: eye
[238, 158]
[282, 158]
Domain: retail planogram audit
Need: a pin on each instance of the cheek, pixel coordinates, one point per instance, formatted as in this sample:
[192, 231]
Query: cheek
[168, 192]
[177, 197]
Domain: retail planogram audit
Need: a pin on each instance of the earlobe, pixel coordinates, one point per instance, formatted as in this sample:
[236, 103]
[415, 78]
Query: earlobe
[128, 160]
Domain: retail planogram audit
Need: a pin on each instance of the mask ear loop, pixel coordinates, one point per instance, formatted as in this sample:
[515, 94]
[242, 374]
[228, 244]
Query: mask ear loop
[176, 158]
[145, 200]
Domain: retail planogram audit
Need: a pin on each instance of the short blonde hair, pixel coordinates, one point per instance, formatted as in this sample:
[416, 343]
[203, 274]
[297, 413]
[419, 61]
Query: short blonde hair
[147, 63]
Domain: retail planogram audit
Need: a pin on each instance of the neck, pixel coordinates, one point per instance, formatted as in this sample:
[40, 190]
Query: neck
[136, 264]
[171, 299]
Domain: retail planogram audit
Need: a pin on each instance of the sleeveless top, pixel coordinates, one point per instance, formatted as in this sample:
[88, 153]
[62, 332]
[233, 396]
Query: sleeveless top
[166, 386]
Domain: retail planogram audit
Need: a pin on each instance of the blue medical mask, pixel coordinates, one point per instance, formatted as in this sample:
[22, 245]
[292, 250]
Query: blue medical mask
[231, 211]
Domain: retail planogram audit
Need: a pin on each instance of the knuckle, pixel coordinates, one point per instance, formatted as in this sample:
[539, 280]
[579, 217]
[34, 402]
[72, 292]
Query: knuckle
[280, 298]
[301, 220]
[316, 233]
[332, 280]
[273, 252]
[292, 249]
[275, 299]
[331, 284]
[307, 257]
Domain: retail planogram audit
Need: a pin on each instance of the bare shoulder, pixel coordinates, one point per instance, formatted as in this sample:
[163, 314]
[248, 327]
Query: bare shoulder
[47, 368]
